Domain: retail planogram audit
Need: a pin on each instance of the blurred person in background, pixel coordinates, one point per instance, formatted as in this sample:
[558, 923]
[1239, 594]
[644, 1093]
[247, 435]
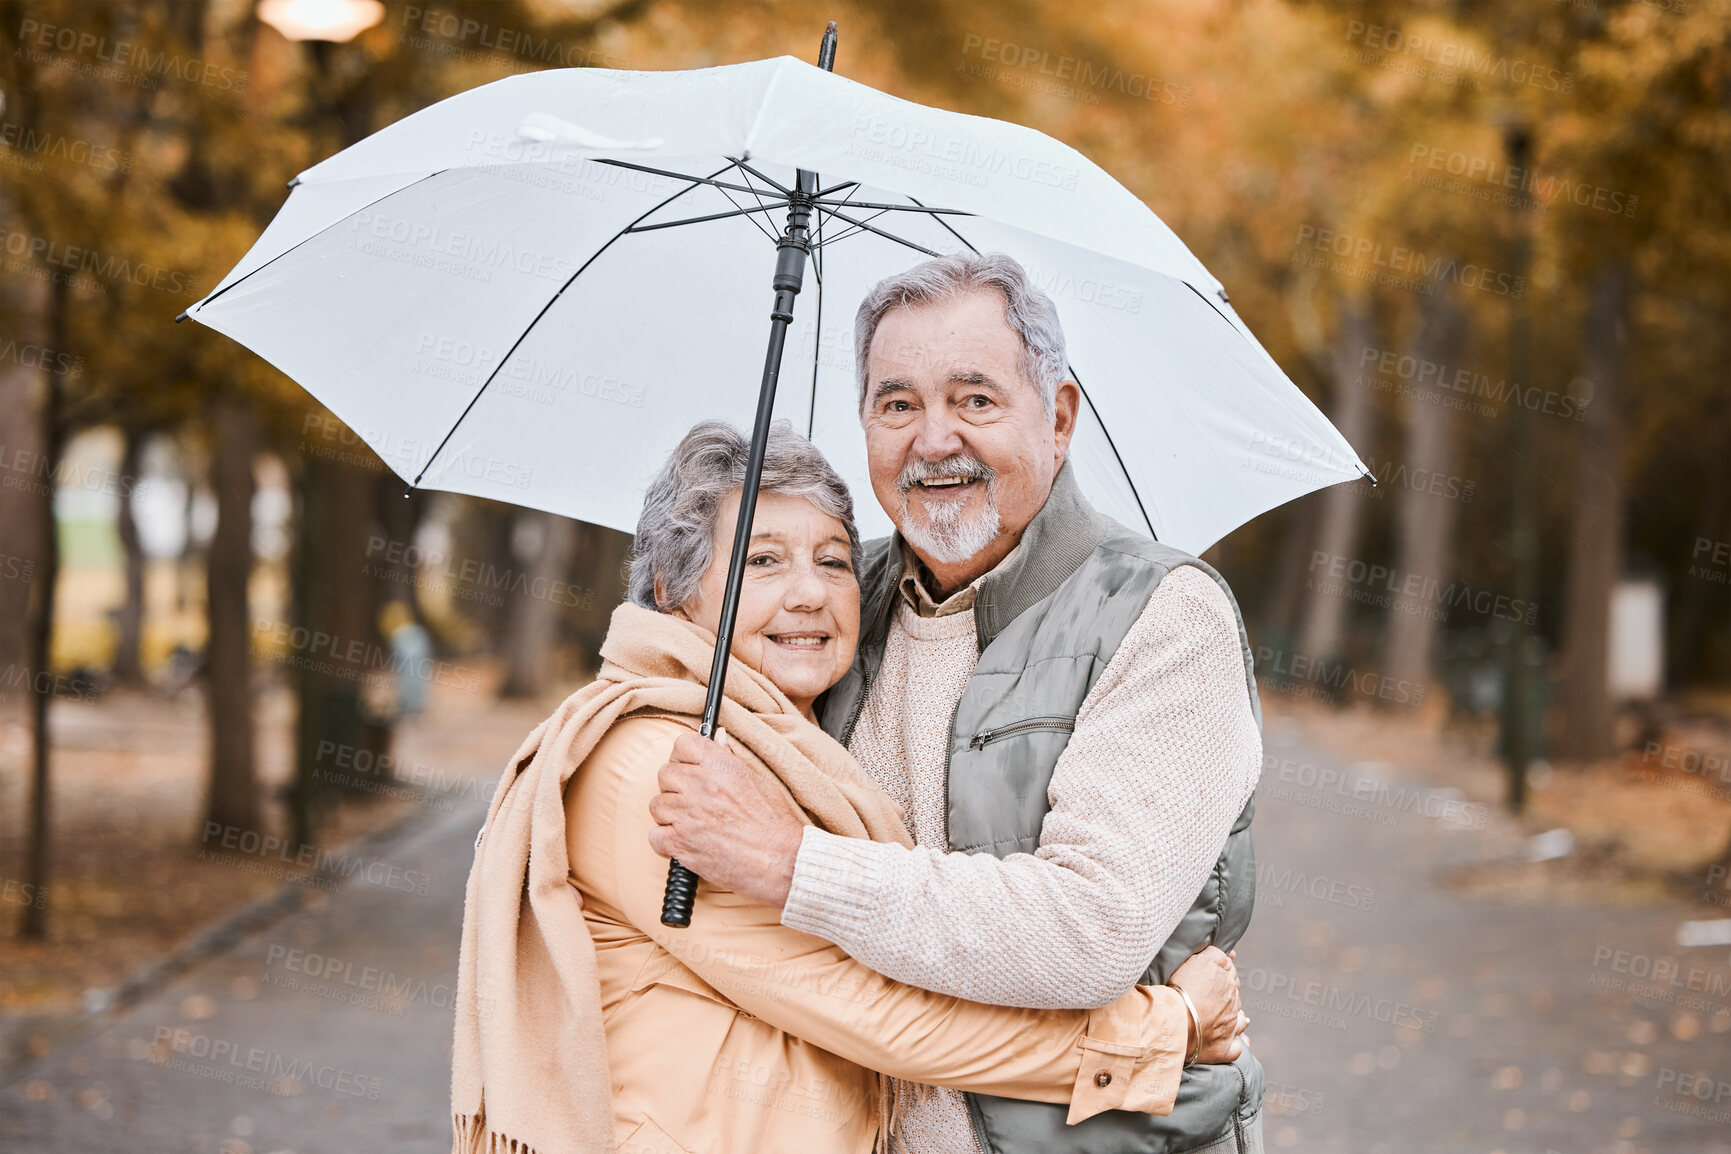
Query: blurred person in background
[411, 657]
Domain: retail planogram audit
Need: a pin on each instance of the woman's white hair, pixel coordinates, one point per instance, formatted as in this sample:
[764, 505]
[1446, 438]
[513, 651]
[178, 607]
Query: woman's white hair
[1027, 310]
[675, 532]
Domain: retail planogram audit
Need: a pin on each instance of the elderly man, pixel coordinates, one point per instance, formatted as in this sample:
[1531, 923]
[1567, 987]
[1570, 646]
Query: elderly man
[1063, 708]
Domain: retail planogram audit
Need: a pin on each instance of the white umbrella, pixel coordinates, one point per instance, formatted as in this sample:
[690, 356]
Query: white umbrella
[531, 290]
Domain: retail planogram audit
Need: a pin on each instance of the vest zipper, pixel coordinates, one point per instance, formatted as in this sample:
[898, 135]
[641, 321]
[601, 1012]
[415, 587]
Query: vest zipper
[977, 1117]
[1237, 1114]
[865, 686]
[985, 737]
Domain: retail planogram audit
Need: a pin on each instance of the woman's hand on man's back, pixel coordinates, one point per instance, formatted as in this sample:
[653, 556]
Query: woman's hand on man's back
[1211, 980]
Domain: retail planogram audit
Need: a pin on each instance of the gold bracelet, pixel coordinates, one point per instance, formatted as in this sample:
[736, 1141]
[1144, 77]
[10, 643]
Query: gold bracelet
[1190, 1060]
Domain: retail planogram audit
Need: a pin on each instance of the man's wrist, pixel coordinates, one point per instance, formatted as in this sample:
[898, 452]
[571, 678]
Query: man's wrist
[778, 872]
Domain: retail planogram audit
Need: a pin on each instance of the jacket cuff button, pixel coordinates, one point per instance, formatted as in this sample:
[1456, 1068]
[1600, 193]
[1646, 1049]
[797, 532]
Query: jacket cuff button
[1102, 1079]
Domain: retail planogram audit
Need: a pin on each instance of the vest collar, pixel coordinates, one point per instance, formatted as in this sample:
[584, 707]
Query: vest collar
[1056, 542]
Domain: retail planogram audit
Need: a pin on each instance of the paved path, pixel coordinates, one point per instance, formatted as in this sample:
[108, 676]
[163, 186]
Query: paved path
[1423, 1020]
[1393, 1015]
[329, 1031]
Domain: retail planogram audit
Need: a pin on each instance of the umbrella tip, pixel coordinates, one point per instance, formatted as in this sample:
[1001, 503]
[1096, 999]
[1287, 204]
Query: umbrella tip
[826, 53]
[179, 318]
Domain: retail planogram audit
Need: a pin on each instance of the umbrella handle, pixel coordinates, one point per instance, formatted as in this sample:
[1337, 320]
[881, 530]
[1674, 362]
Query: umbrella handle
[679, 897]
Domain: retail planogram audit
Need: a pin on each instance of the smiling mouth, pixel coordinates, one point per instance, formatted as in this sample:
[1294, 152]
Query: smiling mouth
[945, 484]
[806, 641]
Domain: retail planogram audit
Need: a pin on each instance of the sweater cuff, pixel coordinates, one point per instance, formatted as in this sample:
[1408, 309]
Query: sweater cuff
[835, 886]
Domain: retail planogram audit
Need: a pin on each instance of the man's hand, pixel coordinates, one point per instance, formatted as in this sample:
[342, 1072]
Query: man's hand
[1211, 980]
[724, 823]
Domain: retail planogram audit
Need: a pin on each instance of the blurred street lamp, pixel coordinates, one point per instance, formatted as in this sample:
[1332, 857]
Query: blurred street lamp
[331, 21]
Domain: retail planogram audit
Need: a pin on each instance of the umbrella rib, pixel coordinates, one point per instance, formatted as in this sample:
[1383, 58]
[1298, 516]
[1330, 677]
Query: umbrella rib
[836, 188]
[1113, 445]
[845, 233]
[886, 235]
[503, 361]
[740, 163]
[680, 175]
[759, 199]
[848, 233]
[1362, 470]
[898, 207]
[316, 235]
[698, 219]
[946, 226]
[1083, 389]
[817, 338]
[767, 234]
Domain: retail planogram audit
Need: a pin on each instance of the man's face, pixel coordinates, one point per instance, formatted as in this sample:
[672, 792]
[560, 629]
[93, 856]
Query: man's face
[962, 453]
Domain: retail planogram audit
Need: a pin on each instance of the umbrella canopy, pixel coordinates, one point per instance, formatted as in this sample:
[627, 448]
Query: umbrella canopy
[531, 290]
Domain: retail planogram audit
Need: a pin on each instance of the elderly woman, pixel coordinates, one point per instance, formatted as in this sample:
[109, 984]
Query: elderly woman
[584, 1024]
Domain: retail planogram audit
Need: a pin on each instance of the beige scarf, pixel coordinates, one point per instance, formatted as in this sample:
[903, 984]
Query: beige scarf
[529, 1062]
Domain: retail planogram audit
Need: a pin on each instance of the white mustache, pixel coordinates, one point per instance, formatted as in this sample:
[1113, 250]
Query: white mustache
[955, 465]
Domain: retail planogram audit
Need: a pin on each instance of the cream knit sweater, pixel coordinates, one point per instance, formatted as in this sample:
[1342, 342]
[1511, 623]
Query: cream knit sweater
[1164, 755]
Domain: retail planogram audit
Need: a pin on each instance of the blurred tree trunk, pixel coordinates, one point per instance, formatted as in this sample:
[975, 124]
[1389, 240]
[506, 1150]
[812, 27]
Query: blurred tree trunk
[602, 556]
[1694, 625]
[39, 620]
[1596, 545]
[546, 541]
[399, 519]
[480, 550]
[233, 793]
[1283, 605]
[334, 599]
[128, 666]
[1426, 520]
[1325, 619]
[22, 527]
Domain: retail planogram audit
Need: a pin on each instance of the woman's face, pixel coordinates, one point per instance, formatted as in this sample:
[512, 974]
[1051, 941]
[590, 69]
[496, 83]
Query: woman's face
[798, 618]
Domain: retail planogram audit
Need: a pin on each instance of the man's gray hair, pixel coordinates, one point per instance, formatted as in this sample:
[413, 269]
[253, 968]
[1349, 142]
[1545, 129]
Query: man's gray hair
[675, 532]
[1027, 310]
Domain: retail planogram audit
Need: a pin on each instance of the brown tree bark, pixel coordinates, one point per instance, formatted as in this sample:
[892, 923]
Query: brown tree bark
[233, 785]
[1342, 505]
[399, 518]
[23, 528]
[39, 625]
[1699, 621]
[336, 600]
[1595, 545]
[128, 665]
[1280, 610]
[1426, 520]
[599, 570]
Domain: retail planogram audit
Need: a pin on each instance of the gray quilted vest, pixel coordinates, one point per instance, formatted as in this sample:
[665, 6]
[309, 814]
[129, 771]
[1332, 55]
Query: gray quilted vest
[1048, 623]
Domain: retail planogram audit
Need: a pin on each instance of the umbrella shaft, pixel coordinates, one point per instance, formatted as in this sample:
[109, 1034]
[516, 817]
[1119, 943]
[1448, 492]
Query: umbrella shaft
[789, 278]
[791, 252]
[747, 510]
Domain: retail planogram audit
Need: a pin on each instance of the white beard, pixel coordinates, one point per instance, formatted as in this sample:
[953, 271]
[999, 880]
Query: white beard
[951, 536]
